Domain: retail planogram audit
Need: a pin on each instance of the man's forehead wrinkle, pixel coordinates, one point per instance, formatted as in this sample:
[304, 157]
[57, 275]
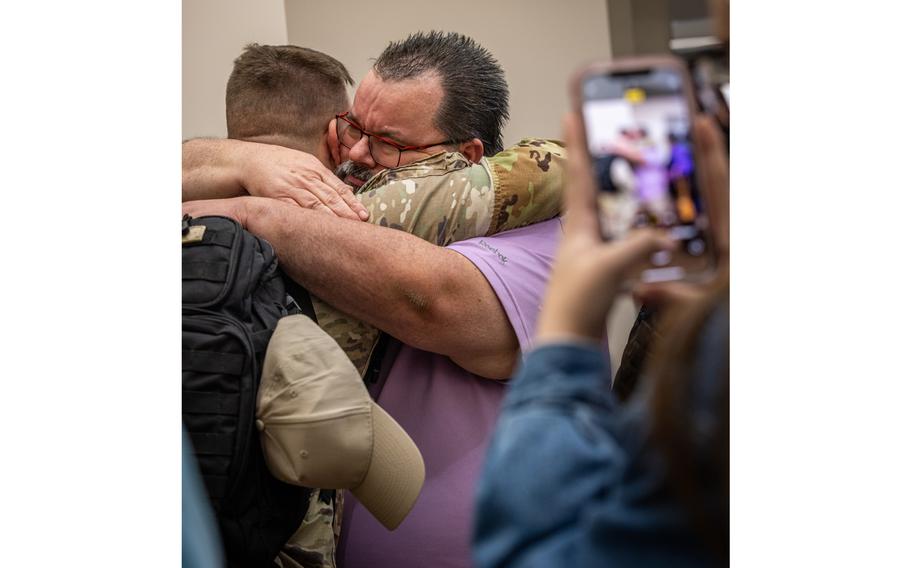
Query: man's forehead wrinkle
[369, 102]
[400, 110]
[386, 130]
[377, 111]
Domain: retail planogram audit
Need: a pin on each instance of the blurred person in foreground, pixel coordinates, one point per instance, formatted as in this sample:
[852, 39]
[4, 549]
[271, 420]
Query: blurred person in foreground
[573, 477]
[200, 540]
[645, 332]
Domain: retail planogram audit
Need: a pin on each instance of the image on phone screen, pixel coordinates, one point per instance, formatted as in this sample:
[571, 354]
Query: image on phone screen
[639, 137]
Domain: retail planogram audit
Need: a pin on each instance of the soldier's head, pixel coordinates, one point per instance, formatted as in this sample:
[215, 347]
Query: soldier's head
[429, 93]
[286, 95]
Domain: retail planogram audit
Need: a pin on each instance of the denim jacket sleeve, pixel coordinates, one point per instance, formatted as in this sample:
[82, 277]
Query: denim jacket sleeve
[554, 453]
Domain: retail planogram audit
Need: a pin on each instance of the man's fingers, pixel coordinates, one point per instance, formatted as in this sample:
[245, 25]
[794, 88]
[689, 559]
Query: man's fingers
[346, 194]
[323, 209]
[332, 180]
[356, 206]
[636, 248]
[289, 201]
[580, 195]
[340, 206]
[326, 196]
[330, 197]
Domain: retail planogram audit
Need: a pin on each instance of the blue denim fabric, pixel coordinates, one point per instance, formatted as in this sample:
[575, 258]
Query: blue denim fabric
[201, 543]
[569, 478]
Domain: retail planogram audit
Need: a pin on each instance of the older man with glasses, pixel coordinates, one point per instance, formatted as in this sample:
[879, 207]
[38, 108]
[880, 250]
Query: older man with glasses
[464, 312]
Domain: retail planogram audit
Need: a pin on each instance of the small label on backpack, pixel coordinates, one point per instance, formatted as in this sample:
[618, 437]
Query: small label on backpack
[194, 235]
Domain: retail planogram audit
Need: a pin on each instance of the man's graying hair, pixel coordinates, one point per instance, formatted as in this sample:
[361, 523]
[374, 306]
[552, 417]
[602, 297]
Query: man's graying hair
[475, 102]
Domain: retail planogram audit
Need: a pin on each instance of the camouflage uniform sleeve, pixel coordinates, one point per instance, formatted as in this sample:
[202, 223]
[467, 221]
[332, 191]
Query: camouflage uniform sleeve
[528, 180]
[442, 199]
[446, 198]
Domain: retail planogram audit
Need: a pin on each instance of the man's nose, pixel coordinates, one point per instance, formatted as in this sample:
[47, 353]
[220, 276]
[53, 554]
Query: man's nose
[360, 153]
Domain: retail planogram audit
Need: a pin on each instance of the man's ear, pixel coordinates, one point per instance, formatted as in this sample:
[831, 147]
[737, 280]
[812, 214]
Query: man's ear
[472, 149]
[331, 139]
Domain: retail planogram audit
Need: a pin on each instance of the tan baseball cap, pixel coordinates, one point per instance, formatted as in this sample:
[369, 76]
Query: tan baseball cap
[320, 428]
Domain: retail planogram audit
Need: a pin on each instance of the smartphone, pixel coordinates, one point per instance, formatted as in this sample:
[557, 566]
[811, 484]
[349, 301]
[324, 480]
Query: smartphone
[637, 114]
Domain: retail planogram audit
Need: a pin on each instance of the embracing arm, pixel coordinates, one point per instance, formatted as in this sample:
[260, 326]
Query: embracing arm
[429, 297]
[209, 168]
[214, 169]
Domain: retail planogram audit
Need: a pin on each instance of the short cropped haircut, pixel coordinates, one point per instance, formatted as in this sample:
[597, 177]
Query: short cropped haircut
[284, 90]
[475, 100]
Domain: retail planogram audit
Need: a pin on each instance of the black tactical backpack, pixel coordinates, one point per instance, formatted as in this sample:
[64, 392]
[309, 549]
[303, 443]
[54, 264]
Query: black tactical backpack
[233, 296]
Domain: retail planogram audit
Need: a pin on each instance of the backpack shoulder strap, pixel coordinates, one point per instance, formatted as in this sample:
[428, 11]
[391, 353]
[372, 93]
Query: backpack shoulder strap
[300, 296]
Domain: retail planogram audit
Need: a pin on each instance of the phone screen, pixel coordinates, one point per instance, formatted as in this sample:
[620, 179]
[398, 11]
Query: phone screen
[639, 137]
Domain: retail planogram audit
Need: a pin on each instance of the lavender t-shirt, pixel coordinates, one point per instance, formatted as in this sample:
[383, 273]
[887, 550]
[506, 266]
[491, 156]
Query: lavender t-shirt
[450, 414]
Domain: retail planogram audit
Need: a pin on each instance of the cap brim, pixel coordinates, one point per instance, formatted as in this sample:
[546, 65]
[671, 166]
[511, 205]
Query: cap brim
[395, 475]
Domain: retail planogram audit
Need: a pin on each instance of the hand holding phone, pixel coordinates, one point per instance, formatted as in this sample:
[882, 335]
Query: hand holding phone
[588, 273]
[637, 115]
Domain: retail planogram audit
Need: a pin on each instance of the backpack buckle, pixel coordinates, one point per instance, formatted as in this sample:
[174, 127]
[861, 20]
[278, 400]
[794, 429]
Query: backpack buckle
[191, 233]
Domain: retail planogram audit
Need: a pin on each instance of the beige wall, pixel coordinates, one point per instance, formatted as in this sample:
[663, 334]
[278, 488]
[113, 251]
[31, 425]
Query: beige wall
[639, 27]
[214, 32]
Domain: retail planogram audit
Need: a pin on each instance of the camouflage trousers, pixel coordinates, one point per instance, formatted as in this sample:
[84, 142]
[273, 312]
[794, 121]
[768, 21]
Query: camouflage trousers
[313, 545]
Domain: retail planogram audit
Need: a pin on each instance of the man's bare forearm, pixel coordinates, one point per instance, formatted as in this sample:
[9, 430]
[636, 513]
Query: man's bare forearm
[429, 297]
[210, 169]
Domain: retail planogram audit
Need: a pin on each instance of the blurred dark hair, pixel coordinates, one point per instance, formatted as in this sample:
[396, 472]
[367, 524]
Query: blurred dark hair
[475, 100]
[690, 368]
[284, 90]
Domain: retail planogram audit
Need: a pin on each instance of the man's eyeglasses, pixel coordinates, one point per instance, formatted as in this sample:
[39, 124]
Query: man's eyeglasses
[385, 152]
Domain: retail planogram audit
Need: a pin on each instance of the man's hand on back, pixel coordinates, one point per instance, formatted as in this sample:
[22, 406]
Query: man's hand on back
[215, 168]
[297, 177]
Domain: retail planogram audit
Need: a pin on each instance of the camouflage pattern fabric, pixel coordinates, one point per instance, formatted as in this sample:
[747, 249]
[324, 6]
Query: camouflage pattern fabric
[445, 198]
[528, 180]
[355, 337]
[313, 545]
[442, 199]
